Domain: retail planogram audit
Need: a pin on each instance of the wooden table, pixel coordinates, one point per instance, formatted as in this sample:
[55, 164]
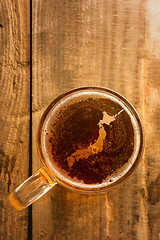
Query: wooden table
[46, 48]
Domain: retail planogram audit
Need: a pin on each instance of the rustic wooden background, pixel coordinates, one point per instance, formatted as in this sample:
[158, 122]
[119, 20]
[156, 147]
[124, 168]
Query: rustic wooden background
[110, 43]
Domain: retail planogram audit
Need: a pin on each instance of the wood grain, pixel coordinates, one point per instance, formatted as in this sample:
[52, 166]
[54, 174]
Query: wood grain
[14, 112]
[113, 44]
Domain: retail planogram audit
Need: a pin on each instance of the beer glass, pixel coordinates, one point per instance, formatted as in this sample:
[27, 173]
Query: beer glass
[51, 173]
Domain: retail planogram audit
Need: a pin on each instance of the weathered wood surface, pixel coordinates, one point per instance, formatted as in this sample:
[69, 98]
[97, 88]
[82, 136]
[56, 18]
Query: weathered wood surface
[14, 112]
[114, 44]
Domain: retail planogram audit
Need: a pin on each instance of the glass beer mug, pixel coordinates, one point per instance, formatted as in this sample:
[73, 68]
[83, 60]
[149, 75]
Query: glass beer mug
[89, 140]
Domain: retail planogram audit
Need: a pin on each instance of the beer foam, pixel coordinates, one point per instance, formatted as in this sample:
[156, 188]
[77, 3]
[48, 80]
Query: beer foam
[52, 117]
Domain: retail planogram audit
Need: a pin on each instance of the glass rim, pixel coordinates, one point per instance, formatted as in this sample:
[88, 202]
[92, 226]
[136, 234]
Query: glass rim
[112, 184]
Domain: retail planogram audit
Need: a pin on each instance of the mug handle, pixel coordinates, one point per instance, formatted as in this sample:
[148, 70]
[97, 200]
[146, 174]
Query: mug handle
[31, 189]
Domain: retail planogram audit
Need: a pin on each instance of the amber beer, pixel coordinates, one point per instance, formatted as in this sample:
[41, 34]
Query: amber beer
[88, 138]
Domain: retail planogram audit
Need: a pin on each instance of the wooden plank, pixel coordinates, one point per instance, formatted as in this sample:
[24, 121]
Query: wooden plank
[152, 102]
[111, 44]
[14, 112]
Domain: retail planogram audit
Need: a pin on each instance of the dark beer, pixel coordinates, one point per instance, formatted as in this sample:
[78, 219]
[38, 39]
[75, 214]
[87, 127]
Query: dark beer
[89, 138]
